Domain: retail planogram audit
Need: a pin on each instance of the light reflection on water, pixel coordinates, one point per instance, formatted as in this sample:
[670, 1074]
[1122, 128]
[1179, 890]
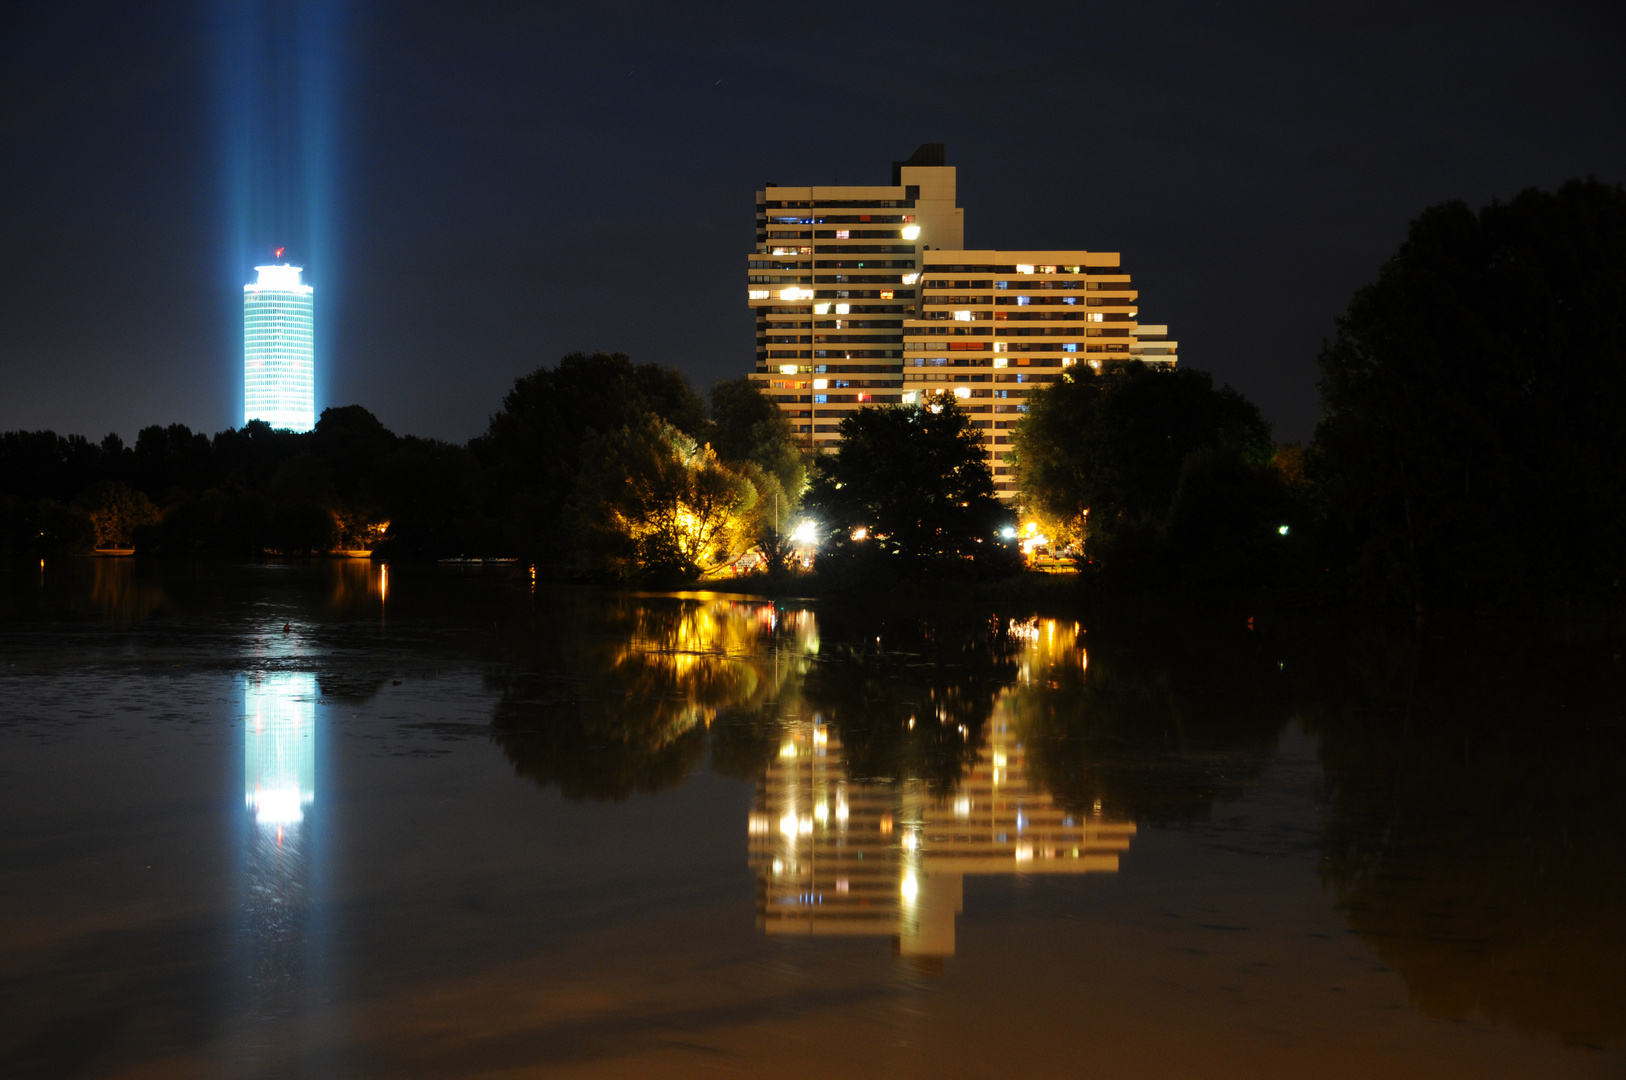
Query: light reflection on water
[1440, 824]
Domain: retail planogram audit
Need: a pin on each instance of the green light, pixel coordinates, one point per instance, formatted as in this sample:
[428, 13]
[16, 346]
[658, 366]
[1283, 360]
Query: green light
[1282, 530]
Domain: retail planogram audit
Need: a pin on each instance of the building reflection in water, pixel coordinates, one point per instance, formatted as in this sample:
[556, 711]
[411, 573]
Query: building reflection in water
[279, 747]
[837, 857]
[279, 791]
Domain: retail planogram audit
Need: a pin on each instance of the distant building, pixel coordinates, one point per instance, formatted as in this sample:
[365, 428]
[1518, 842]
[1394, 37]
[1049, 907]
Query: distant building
[866, 296]
[278, 350]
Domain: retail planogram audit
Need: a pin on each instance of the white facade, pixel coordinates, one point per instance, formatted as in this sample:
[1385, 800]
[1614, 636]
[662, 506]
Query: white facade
[279, 369]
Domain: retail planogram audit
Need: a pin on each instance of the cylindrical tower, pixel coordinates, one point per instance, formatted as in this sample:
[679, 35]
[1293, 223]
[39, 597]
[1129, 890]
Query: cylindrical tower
[278, 350]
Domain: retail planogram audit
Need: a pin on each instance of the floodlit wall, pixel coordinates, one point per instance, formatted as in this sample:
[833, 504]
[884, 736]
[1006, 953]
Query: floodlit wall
[279, 368]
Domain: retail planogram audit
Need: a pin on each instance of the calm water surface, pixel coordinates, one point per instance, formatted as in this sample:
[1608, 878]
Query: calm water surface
[446, 825]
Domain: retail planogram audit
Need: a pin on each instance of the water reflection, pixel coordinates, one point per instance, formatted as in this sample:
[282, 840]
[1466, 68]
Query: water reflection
[279, 747]
[1475, 822]
[620, 701]
[837, 857]
[279, 790]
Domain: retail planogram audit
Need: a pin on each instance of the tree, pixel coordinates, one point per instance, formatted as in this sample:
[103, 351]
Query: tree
[911, 483]
[748, 426]
[1167, 469]
[653, 503]
[1471, 446]
[532, 450]
[116, 512]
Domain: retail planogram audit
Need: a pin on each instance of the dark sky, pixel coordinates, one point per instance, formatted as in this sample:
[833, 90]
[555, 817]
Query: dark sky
[512, 182]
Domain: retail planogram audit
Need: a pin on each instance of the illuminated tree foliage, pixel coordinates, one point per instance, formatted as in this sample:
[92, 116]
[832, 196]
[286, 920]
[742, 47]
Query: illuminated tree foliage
[1172, 473]
[653, 503]
[908, 486]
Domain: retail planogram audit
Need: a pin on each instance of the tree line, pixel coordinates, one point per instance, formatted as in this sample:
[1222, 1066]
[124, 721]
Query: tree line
[1469, 452]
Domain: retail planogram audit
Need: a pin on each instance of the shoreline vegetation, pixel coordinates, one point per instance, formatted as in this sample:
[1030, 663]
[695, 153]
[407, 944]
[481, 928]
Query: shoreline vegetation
[1470, 457]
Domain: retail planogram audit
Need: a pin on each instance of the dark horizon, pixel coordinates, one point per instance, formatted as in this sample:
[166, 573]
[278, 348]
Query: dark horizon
[509, 185]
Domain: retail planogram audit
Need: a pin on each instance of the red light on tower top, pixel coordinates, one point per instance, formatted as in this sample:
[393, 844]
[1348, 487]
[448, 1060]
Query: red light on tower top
[280, 251]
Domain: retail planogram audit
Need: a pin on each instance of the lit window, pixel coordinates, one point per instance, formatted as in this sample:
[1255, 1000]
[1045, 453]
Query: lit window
[842, 309]
[760, 294]
[886, 294]
[911, 232]
[1021, 269]
[842, 234]
[821, 399]
[863, 398]
[962, 316]
[1002, 346]
[821, 309]
[909, 398]
[1000, 361]
[1047, 269]
[821, 384]
[962, 391]
[787, 369]
[1021, 301]
[1069, 348]
[910, 279]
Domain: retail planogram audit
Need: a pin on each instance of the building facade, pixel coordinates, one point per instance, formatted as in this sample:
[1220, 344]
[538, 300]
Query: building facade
[867, 296]
[279, 370]
[835, 273]
[995, 326]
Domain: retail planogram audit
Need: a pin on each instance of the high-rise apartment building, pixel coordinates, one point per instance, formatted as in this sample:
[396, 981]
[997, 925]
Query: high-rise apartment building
[835, 273]
[844, 321]
[995, 326]
[279, 370]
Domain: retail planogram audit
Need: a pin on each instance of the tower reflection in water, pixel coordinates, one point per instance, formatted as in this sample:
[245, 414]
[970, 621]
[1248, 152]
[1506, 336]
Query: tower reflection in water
[279, 789]
[837, 857]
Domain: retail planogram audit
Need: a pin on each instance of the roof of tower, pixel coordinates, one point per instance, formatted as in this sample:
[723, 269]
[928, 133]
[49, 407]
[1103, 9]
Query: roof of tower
[927, 154]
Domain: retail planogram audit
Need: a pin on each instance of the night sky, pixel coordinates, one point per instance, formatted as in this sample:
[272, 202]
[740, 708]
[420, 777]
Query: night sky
[506, 183]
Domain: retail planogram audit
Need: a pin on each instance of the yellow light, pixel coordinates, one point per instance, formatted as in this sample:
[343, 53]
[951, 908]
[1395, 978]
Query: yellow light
[910, 279]
[787, 750]
[821, 384]
[1021, 269]
[1000, 361]
[821, 309]
[962, 316]
[860, 533]
[787, 824]
[821, 813]
[787, 369]
[909, 398]
[962, 391]
[911, 232]
[841, 811]
[910, 841]
[842, 309]
[911, 887]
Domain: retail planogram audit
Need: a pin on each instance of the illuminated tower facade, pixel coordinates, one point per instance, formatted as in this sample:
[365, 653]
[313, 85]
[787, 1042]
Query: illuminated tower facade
[279, 369]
